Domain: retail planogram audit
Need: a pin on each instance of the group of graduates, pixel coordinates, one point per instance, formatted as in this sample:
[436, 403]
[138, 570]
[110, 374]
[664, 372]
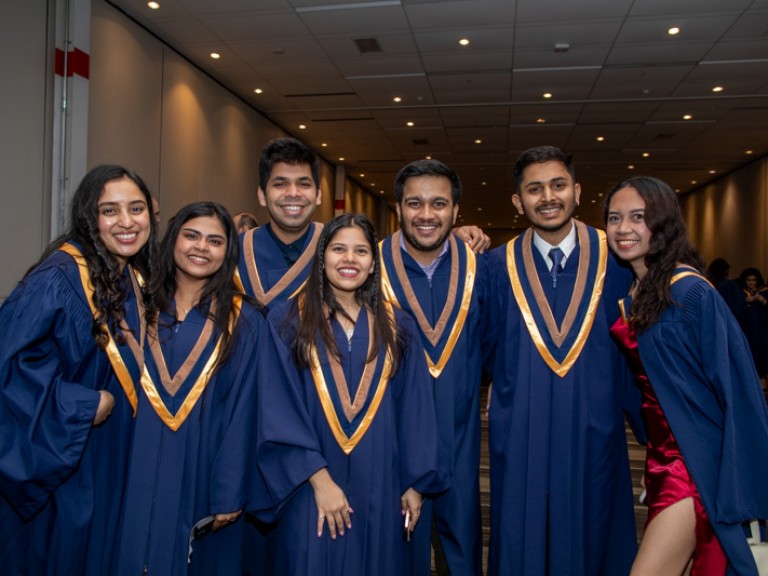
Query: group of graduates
[303, 399]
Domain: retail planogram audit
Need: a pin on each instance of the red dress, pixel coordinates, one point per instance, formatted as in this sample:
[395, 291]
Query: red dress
[667, 479]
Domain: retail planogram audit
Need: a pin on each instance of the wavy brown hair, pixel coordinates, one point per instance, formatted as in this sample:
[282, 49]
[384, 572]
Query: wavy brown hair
[109, 287]
[669, 246]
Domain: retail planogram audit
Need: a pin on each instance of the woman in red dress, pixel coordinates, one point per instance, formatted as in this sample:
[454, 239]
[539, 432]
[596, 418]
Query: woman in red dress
[706, 420]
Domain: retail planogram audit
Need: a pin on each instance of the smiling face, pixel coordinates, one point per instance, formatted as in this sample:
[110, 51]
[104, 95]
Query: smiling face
[200, 249]
[290, 197]
[124, 219]
[628, 234]
[348, 261]
[548, 197]
[427, 214]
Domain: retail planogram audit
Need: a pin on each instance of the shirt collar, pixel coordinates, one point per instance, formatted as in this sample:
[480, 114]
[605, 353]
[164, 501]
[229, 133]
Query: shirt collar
[566, 245]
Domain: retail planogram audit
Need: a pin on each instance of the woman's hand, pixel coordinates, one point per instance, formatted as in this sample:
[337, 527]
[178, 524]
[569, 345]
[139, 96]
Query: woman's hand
[411, 504]
[106, 404]
[332, 504]
[221, 520]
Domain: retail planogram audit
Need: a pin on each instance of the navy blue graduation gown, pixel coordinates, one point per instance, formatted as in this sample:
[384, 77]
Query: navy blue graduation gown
[262, 271]
[180, 476]
[561, 493]
[699, 365]
[61, 478]
[397, 451]
[457, 403]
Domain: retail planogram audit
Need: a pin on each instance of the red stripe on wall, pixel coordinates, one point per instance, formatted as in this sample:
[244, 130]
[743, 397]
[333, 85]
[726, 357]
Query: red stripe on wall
[78, 62]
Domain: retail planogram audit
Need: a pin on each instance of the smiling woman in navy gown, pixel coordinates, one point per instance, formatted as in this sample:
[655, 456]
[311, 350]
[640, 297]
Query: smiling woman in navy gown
[347, 442]
[707, 423]
[196, 403]
[67, 382]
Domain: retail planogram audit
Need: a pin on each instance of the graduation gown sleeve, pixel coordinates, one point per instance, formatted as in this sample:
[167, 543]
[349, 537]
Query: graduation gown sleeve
[287, 449]
[49, 367]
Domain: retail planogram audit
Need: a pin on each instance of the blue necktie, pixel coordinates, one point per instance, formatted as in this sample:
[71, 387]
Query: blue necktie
[556, 255]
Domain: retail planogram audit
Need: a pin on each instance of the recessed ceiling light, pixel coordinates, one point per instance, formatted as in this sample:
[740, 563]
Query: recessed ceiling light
[673, 31]
[593, 201]
[600, 194]
[489, 224]
[547, 95]
[302, 126]
[631, 167]
[258, 90]
[749, 152]
[397, 99]
[428, 157]
[341, 158]
[484, 183]
[324, 144]
[687, 117]
[600, 138]
[480, 209]
[718, 89]
[694, 182]
[464, 41]
[373, 184]
[362, 175]
[153, 5]
[478, 141]
[646, 154]
[409, 123]
[712, 171]
[541, 120]
[381, 191]
[215, 55]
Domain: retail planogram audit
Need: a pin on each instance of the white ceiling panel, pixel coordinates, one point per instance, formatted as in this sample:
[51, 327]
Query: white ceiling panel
[622, 76]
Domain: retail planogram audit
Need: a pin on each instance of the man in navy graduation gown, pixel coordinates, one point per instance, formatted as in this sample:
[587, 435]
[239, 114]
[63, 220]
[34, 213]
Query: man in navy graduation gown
[275, 258]
[561, 494]
[435, 277]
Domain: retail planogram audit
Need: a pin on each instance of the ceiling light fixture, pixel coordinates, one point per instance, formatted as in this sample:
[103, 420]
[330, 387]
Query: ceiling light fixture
[350, 6]
[600, 138]
[153, 5]
[258, 90]
[541, 120]
[324, 144]
[547, 95]
[464, 41]
[215, 55]
[674, 31]
[478, 141]
[341, 158]
[409, 124]
[718, 89]
[397, 99]
[302, 126]
[749, 152]
[687, 117]
[646, 154]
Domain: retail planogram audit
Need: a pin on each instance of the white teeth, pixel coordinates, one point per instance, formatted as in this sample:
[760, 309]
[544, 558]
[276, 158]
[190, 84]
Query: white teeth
[198, 259]
[128, 236]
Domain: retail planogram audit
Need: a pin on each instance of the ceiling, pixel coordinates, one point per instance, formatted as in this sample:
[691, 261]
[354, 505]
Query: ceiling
[612, 69]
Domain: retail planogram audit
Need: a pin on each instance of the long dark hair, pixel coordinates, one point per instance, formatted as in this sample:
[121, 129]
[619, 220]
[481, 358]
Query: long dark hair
[669, 245]
[319, 304]
[219, 288]
[109, 290]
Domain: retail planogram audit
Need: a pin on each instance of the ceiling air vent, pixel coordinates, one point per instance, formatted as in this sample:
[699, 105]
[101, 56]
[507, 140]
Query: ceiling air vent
[367, 45]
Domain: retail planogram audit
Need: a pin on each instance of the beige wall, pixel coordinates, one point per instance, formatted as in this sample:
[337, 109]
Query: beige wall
[729, 218]
[26, 75]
